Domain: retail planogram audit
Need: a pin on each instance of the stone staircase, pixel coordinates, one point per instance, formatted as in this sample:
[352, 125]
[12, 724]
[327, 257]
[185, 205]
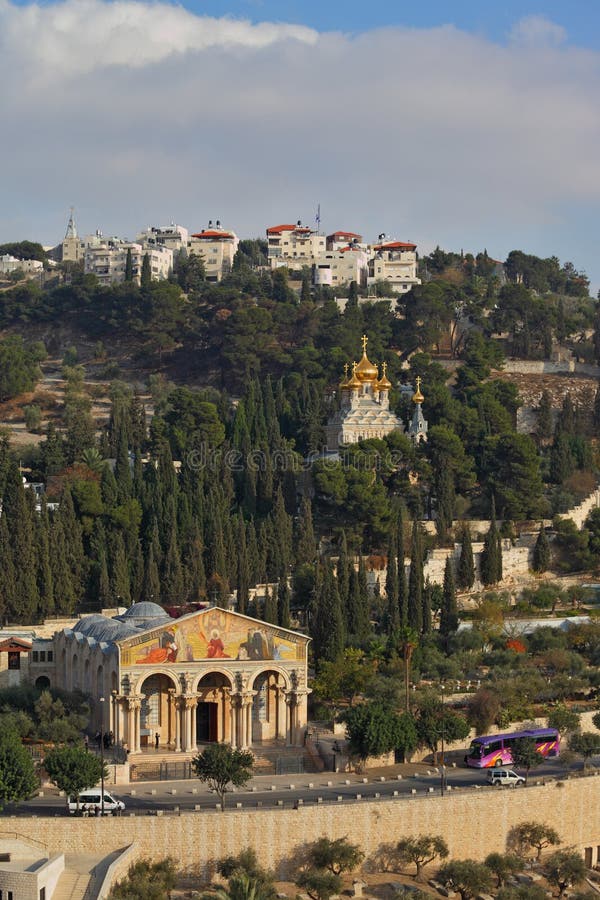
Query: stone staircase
[73, 885]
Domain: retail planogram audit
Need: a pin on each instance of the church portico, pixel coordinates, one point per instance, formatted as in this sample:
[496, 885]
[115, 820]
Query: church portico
[212, 676]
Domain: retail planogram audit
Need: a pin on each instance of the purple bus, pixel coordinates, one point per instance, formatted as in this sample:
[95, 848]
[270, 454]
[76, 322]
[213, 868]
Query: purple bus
[495, 749]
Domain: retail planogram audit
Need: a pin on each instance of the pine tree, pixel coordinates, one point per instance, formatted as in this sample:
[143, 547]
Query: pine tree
[415, 582]
[466, 564]
[283, 604]
[449, 610]
[541, 552]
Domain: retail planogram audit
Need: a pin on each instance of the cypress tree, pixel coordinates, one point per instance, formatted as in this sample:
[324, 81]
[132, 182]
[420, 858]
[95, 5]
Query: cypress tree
[402, 586]
[466, 563]
[359, 625]
[146, 274]
[65, 594]
[128, 266]
[427, 604]
[122, 468]
[243, 567]
[137, 572]
[562, 463]
[392, 588]
[119, 572]
[415, 582]
[306, 545]
[449, 610]
[8, 587]
[541, 552]
[283, 604]
[544, 416]
[137, 419]
[75, 554]
[108, 487]
[194, 576]
[52, 451]
[343, 577]
[45, 581]
[254, 559]
[172, 580]
[491, 556]
[305, 293]
[270, 608]
[327, 626]
[445, 496]
[104, 592]
[151, 587]
[20, 512]
[282, 524]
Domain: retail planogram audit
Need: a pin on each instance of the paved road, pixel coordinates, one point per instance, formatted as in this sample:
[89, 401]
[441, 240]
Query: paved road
[287, 790]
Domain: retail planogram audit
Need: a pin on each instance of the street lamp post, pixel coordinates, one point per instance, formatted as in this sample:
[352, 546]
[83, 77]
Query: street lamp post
[443, 762]
[102, 756]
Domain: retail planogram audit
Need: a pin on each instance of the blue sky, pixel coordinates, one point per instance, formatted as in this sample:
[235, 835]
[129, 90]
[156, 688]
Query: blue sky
[581, 18]
[468, 125]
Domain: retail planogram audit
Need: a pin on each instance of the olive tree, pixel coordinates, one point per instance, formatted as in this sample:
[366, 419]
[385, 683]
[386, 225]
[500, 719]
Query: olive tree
[421, 850]
[533, 836]
[221, 765]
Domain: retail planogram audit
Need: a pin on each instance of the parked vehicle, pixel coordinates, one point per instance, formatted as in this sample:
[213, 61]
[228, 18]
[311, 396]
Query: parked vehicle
[495, 749]
[505, 778]
[90, 803]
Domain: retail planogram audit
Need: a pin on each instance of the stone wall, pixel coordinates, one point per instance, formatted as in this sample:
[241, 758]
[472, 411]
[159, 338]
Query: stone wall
[548, 367]
[118, 870]
[474, 822]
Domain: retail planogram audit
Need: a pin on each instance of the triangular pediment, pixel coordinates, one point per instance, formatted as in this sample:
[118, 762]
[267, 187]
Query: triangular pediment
[212, 634]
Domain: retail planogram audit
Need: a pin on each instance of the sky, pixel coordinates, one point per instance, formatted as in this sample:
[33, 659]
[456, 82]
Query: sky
[463, 124]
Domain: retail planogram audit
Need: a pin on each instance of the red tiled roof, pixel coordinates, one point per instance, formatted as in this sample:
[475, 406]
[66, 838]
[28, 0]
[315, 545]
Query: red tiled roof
[277, 229]
[348, 234]
[395, 245]
[345, 249]
[213, 234]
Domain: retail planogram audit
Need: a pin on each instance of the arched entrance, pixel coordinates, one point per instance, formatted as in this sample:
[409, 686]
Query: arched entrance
[158, 712]
[268, 707]
[42, 683]
[213, 708]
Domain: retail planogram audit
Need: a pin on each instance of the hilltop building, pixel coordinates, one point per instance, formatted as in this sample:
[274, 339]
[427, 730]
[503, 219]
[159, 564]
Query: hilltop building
[342, 257]
[217, 246]
[108, 261]
[173, 237]
[364, 410]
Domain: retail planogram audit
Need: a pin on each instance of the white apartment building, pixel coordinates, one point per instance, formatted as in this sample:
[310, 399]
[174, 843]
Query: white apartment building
[217, 246]
[294, 246]
[337, 267]
[108, 261]
[394, 262]
[174, 237]
[10, 264]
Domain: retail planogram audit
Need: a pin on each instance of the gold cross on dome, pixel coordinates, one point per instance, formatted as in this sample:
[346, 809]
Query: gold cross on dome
[346, 367]
[418, 382]
[354, 365]
[365, 341]
[384, 367]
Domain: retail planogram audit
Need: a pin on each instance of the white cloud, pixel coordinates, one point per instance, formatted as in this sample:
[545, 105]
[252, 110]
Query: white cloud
[537, 31]
[138, 113]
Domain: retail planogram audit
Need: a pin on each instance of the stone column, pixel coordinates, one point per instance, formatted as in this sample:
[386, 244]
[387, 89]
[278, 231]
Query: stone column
[188, 706]
[234, 708]
[134, 705]
[281, 711]
[193, 726]
[177, 711]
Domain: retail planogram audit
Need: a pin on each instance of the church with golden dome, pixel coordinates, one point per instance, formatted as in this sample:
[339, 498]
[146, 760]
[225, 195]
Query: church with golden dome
[364, 410]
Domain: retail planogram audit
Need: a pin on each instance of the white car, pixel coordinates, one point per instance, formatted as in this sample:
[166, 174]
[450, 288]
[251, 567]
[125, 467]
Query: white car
[505, 777]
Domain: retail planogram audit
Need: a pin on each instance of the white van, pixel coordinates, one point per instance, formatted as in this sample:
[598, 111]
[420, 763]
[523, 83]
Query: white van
[91, 800]
[505, 778]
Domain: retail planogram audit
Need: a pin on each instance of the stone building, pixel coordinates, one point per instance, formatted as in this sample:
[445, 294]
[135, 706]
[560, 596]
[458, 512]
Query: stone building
[364, 410]
[209, 676]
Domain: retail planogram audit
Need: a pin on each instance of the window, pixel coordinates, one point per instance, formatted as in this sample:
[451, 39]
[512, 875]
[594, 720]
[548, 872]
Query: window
[14, 659]
[34, 656]
[50, 655]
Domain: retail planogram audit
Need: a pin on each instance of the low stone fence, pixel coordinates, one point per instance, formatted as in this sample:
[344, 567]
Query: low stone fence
[118, 870]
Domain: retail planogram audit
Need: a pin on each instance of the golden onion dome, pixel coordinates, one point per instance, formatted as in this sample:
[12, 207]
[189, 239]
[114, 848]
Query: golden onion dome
[384, 384]
[418, 397]
[365, 370]
[353, 382]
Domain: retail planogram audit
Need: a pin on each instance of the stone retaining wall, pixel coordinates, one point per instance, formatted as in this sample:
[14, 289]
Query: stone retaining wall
[474, 823]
